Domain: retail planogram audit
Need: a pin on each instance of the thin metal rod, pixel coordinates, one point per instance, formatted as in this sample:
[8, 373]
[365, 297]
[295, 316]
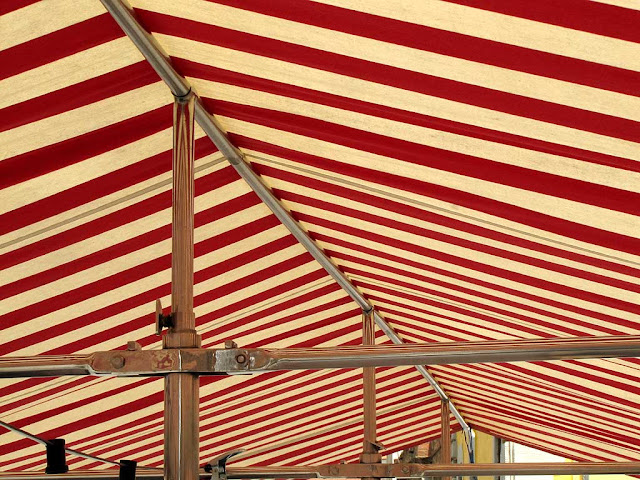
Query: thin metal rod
[202, 361]
[42, 441]
[353, 470]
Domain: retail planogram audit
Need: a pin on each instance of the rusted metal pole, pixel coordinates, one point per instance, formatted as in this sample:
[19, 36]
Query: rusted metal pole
[445, 436]
[181, 390]
[370, 445]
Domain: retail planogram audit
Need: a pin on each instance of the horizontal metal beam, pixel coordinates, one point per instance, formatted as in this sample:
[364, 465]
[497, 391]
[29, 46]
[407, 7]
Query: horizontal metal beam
[354, 470]
[238, 360]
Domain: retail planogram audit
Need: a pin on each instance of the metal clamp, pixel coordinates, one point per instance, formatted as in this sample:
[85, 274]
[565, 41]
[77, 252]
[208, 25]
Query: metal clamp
[162, 321]
[217, 467]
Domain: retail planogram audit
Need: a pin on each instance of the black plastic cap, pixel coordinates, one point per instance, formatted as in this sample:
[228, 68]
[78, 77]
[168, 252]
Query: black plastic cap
[56, 460]
[127, 470]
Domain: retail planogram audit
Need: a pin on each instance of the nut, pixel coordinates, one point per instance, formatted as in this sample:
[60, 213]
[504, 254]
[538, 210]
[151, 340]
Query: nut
[228, 344]
[117, 361]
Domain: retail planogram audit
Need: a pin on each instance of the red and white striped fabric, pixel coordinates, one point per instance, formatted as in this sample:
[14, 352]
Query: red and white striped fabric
[472, 166]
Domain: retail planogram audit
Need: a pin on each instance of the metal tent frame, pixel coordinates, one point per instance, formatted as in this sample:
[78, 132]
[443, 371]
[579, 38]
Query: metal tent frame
[182, 361]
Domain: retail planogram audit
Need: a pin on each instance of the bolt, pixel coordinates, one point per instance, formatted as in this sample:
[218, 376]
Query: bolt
[405, 469]
[230, 344]
[117, 361]
[240, 358]
[133, 346]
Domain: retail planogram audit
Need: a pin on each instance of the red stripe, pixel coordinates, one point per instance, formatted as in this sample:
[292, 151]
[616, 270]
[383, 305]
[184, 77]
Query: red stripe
[392, 206]
[454, 44]
[425, 233]
[11, 5]
[536, 390]
[543, 300]
[99, 187]
[197, 70]
[594, 17]
[478, 266]
[397, 77]
[487, 333]
[521, 215]
[44, 160]
[432, 157]
[103, 224]
[37, 52]
[78, 95]
[468, 389]
[127, 246]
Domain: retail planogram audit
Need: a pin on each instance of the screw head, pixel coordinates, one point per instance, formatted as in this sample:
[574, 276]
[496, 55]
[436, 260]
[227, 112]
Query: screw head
[241, 358]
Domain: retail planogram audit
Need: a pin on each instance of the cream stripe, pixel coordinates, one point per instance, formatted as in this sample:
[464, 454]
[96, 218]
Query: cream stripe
[398, 216]
[323, 81]
[120, 264]
[461, 213]
[632, 4]
[44, 17]
[484, 258]
[82, 120]
[505, 29]
[507, 154]
[412, 59]
[463, 384]
[68, 177]
[76, 68]
[617, 222]
[477, 274]
[111, 237]
[103, 206]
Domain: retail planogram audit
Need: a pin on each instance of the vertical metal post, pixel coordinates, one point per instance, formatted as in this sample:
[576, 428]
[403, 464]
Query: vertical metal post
[445, 438]
[181, 391]
[370, 445]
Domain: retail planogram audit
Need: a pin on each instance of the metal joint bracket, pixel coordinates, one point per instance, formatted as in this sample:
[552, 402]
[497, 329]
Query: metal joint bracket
[217, 467]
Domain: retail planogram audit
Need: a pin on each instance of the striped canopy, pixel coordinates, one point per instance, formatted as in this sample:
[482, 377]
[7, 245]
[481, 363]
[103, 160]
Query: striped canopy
[471, 166]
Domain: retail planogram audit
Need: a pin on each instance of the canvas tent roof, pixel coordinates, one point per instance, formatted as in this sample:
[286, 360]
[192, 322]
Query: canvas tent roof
[472, 167]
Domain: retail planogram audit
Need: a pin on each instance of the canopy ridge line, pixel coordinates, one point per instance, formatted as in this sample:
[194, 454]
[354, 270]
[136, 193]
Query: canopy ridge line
[179, 86]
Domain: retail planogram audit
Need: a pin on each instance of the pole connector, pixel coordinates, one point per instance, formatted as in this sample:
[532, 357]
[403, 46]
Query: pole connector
[217, 467]
[162, 321]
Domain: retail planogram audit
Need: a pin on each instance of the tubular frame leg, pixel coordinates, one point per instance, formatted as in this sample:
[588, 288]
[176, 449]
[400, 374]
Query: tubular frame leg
[445, 437]
[370, 445]
[181, 390]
